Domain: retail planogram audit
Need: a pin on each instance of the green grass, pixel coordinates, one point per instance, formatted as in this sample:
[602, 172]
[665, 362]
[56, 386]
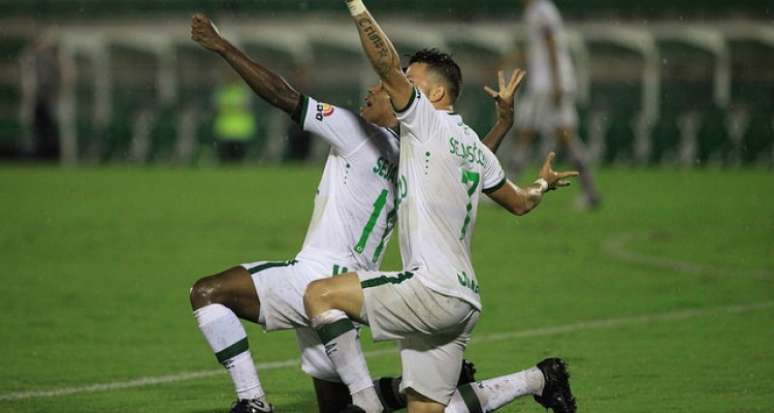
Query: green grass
[97, 263]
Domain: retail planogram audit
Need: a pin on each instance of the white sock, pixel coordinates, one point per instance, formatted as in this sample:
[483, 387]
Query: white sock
[489, 395]
[228, 341]
[340, 338]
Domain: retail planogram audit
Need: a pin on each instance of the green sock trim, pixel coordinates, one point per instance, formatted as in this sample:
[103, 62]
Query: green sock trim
[233, 350]
[470, 399]
[333, 330]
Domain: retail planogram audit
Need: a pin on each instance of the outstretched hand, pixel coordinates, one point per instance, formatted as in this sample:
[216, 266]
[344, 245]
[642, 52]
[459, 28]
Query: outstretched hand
[504, 97]
[204, 32]
[555, 179]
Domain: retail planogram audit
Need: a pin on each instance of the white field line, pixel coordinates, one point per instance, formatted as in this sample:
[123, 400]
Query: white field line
[617, 247]
[538, 332]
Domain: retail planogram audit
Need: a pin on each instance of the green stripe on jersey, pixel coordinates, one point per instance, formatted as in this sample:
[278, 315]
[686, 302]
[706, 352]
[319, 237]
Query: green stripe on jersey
[411, 100]
[494, 188]
[304, 109]
[375, 282]
[267, 265]
[232, 351]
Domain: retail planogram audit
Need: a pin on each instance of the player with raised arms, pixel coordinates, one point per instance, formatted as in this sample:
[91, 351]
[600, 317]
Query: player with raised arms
[432, 306]
[353, 218]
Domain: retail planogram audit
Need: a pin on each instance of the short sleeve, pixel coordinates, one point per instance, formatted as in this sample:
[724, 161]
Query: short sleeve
[419, 118]
[493, 174]
[339, 127]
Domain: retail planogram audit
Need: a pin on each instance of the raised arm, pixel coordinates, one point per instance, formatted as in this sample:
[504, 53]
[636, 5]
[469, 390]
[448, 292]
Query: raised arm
[382, 55]
[504, 105]
[267, 84]
[520, 201]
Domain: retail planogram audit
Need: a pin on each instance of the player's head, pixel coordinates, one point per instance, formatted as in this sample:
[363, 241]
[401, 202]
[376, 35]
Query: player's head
[437, 75]
[377, 107]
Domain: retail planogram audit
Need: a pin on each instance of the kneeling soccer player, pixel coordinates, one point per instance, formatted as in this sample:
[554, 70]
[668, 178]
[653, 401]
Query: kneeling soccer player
[432, 306]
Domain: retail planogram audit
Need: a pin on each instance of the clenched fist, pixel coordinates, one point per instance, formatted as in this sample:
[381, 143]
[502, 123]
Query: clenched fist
[204, 32]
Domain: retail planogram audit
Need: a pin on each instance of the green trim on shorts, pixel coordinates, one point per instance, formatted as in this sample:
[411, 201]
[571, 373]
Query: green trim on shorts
[233, 350]
[375, 282]
[470, 399]
[264, 266]
[331, 331]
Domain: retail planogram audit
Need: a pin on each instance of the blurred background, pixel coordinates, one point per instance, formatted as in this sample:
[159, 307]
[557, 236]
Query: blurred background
[686, 83]
[661, 300]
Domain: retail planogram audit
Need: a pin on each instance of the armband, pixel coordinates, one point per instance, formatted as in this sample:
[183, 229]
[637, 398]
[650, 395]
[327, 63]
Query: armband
[543, 185]
[356, 7]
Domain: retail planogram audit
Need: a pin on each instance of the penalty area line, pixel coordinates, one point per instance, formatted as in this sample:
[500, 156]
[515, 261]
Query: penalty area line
[274, 365]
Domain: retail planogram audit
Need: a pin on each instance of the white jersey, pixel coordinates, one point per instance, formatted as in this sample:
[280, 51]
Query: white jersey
[542, 17]
[443, 169]
[354, 207]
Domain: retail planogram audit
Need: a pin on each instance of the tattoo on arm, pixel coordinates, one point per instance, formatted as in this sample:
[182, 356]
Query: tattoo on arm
[380, 51]
[373, 36]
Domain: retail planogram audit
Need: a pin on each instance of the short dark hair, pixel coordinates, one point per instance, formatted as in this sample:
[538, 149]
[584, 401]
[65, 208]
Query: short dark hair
[444, 65]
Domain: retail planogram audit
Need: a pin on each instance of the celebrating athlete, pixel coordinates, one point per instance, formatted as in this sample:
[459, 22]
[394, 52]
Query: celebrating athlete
[432, 306]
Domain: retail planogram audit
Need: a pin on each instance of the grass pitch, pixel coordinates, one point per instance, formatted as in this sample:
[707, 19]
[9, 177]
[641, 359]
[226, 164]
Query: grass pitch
[663, 301]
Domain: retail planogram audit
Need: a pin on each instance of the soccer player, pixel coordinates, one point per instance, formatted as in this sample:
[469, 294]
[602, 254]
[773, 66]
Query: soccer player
[549, 106]
[353, 218]
[432, 306]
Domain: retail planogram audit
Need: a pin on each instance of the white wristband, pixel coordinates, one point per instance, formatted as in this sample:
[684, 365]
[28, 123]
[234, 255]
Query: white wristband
[356, 7]
[543, 184]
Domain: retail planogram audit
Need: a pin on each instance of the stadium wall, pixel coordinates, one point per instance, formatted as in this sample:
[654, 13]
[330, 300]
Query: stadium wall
[665, 92]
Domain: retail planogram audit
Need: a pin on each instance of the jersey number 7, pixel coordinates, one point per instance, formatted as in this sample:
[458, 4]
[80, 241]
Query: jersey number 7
[472, 178]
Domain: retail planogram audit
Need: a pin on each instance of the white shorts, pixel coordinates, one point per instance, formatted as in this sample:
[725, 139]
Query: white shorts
[433, 329]
[280, 286]
[536, 111]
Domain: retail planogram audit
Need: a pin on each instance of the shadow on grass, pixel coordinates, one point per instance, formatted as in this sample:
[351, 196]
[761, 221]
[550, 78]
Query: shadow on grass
[305, 404]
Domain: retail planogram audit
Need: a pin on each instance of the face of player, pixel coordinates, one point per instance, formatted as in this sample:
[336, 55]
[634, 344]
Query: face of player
[377, 107]
[420, 75]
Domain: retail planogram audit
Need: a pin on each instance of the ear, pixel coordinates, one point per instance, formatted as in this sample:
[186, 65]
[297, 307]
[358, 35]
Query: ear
[437, 93]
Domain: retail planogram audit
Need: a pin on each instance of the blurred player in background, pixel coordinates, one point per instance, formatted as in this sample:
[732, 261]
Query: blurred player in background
[549, 106]
[353, 219]
[44, 71]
